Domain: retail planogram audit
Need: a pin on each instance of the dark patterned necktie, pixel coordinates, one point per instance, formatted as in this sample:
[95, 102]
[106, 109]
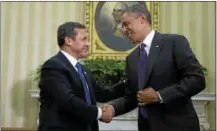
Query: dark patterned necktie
[143, 57]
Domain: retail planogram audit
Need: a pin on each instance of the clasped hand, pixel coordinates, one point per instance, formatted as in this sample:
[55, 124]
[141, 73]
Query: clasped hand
[147, 96]
[107, 113]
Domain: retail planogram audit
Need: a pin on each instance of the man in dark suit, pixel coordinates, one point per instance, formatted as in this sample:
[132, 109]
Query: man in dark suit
[163, 74]
[68, 92]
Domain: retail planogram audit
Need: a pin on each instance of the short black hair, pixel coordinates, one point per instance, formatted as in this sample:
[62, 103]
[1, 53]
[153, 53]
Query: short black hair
[67, 30]
[140, 9]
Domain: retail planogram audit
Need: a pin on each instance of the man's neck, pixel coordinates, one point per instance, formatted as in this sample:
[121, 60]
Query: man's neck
[147, 32]
[70, 53]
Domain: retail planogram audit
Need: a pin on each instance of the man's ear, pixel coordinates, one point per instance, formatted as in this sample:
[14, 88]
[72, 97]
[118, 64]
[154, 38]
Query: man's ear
[67, 41]
[143, 18]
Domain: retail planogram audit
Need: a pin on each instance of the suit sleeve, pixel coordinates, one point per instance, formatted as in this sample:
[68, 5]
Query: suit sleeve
[55, 83]
[128, 102]
[105, 94]
[192, 78]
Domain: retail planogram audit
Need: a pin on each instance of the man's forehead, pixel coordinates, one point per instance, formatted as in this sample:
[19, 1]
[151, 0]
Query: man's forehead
[126, 16]
[82, 30]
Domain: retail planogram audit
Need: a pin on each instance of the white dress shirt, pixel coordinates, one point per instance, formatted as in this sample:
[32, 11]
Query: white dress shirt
[148, 41]
[73, 61]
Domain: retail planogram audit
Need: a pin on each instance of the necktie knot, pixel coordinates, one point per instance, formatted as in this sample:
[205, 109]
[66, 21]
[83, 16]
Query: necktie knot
[78, 65]
[142, 47]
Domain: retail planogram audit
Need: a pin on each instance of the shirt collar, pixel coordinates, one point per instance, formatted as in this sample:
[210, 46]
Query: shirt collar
[71, 59]
[148, 39]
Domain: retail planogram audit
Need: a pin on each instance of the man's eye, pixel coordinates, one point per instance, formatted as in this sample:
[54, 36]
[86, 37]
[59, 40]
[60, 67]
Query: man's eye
[124, 24]
[85, 38]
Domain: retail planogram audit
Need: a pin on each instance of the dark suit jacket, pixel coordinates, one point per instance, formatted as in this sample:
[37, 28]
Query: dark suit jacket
[63, 106]
[174, 71]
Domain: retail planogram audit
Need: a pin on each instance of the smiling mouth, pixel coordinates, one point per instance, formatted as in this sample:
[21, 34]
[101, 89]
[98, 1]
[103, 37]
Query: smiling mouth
[86, 50]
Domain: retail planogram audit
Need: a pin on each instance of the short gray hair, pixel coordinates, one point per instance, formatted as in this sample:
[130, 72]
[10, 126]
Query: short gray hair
[140, 9]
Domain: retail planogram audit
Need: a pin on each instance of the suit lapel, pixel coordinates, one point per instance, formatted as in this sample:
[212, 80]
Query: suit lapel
[153, 55]
[76, 76]
[133, 62]
[74, 73]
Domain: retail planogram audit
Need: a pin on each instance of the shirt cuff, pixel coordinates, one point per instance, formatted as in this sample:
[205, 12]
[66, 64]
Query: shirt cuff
[99, 113]
[161, 100]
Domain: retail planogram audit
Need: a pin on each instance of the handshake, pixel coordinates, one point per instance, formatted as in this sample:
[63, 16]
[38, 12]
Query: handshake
[107, 113]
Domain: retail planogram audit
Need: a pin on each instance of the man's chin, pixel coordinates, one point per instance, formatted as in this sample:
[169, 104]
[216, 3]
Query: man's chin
[84, 55]
[133, 41]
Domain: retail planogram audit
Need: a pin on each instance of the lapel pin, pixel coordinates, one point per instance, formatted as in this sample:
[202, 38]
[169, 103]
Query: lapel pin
[156, 46]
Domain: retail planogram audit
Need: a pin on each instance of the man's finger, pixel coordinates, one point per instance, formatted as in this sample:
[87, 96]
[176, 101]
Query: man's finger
[141, 104]
[104, 107]
[138, 96]
[140, 91]
[146, 89]
[140, 100]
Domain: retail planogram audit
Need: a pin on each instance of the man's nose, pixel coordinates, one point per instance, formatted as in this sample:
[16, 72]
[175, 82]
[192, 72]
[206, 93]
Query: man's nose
[87, 43]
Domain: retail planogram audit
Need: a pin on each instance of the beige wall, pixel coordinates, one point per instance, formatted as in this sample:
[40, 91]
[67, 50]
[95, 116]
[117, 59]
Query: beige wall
[29, 37]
